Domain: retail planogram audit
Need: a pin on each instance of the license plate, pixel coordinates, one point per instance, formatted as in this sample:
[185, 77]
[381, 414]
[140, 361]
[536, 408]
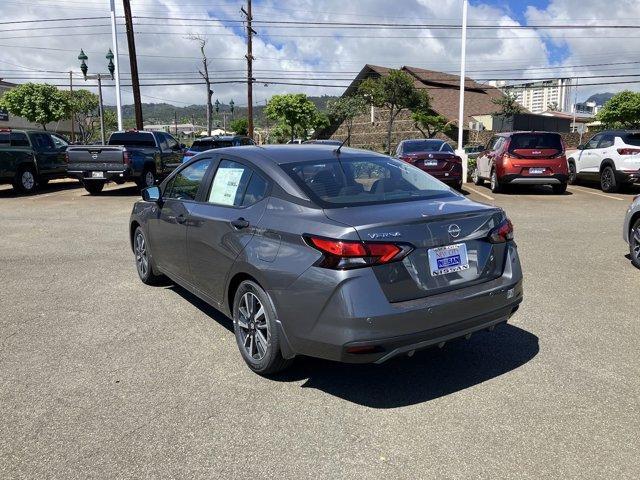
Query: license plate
[431, 163]
[97, 174]
[536, 171]
[449, 259]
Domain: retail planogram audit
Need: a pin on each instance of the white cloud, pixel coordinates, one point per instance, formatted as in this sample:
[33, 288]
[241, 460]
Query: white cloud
[162, 45]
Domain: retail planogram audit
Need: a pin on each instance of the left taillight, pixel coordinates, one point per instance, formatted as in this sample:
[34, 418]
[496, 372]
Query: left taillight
[347, 254]
[502, 233]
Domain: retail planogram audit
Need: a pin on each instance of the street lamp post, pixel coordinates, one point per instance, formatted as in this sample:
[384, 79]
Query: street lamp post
[111, 67]
[460, 150]
[232, 108]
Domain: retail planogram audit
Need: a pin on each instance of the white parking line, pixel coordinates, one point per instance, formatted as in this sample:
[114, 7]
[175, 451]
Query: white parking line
[479, 193]
[577, 189]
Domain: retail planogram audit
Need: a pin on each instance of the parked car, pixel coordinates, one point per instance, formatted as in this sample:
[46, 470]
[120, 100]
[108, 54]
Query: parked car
[132, 155]
[30, 158]
[523, 158]
[296, 141]
[436, 157]
[337, 143]
[209, 143]
[631, 230]
[346, 255]
[611, 157]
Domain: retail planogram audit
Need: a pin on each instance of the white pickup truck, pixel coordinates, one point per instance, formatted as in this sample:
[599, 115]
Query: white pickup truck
[611, 157]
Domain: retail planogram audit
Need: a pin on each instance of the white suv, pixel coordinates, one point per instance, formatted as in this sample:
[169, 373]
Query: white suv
[612, 157]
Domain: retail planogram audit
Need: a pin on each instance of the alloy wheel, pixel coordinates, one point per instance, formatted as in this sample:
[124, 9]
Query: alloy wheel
[606, 179]
[142, 258]
[635, 242]
[474, 176]
[572, 174]
[28, 180]
[254, 328]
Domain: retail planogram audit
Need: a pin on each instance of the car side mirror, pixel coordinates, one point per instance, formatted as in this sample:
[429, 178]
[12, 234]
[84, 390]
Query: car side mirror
[151, 194]
[581, 147]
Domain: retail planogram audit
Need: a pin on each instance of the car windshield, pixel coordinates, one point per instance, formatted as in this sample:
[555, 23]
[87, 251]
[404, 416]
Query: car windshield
[204, 145]
[132, 139]
[422, 146]
[632, 139]
[528, 141]
[363, 180]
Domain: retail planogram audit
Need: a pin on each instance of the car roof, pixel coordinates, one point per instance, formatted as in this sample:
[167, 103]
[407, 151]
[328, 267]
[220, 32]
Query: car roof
[293, 153]
[618, 132]
[213, 138]
[508, 134]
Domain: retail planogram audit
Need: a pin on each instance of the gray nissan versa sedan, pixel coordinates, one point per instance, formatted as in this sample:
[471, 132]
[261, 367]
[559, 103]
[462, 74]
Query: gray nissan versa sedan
[341, 254]
[631, 230]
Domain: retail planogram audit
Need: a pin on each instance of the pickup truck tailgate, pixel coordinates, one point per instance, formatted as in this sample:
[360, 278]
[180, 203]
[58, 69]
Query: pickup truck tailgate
[100, 157]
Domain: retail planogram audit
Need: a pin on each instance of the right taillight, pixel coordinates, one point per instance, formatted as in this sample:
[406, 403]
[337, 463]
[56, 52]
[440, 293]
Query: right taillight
[629, 151]
[348, 254]
[502, 233]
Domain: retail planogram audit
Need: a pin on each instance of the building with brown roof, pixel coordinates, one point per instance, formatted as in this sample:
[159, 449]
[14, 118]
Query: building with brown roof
[443, 89]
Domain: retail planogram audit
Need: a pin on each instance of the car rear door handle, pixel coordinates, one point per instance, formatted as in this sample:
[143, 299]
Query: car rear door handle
[179, 219]
[240, 223]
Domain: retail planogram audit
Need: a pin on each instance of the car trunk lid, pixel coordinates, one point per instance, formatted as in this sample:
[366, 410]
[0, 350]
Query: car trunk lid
[427, 225]
[437, 161]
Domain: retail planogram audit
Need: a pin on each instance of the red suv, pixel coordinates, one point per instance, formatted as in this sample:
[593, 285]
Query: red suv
[523, 158]
[436, 157]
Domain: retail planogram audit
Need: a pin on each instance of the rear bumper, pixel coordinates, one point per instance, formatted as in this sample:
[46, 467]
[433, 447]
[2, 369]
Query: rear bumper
[86, 174]
[534, 180]
[330, 324]
[628, 177]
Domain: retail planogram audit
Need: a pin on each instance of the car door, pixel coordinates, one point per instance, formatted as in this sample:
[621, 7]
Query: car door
[168, 230]
[601, 152]
[46, 153]
[484, 158]
[224, 223]
[588, 160]
[61, 159]
[174, 152]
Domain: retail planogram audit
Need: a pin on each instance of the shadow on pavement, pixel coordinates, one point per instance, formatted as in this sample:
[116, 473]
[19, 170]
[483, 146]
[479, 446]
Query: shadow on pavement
[204, 307]
[130, 190]
[428, 375]
[59, 186]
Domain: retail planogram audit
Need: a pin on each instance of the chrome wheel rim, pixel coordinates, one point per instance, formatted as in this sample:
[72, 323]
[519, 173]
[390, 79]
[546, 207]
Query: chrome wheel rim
[27, 180]
[572, 173]
[635, 242]
[494, 180]
[149, 179]
[253, 327]
[606, 178]
[142, 257]
[474, 175]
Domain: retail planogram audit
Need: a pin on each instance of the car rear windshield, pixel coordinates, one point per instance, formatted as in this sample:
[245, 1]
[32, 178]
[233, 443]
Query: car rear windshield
[422, 146]
[537, 141]
[203, 145]
[632, 139]
[132, 139]
[358, 181]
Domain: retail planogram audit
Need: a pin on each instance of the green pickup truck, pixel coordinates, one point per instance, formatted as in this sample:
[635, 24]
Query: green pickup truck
[30, 158]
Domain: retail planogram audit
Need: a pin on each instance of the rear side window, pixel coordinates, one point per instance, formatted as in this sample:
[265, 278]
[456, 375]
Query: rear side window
[132, 139]
[606, 141]
[526, 141]
[363, 181]
[14, 139]
[185, 185]
[632, 139]
[231, 184]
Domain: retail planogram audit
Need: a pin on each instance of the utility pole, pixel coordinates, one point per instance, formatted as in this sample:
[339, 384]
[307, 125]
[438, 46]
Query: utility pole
[575, 106]
[204, 73]
[73, 129]
[175, 121]
[114, 40]
[460, 150]
[249, 56]
[133, 62]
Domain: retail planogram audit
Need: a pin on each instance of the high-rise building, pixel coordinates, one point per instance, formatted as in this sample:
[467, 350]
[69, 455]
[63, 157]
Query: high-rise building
[538, 97]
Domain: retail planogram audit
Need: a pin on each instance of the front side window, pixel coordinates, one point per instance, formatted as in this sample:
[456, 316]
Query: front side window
[171, 142]
[363, 180]
[59, 142]
[185, 184]
[593, 143]
[42, 141]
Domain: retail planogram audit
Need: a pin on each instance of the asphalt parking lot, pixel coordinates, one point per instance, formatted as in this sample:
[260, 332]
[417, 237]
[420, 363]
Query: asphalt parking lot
[103, 377]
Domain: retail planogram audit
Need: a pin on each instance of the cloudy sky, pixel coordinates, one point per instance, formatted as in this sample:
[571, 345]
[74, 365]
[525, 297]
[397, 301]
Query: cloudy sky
[323, 53]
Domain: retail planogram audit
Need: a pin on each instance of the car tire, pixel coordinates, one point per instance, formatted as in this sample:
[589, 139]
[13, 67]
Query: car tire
[257, 333]
[94, 187]
[25, 180]
[143, 260]
[494, 182]
[608, 182]
[119, 181]
[147, 179]
[634, 243]
[559, 189]
[573, 174]
[476, 178]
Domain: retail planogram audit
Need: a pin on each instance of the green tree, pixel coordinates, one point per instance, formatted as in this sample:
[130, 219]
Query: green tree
[430, 124]
[508, 105]
[396, 92]
[37, 102]
[240, 126]
[294, 110]
[83, 106]
[346, 109]
[621, 111]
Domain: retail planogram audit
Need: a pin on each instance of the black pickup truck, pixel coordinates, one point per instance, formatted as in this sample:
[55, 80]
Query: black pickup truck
[139, 156]
[30, 158]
